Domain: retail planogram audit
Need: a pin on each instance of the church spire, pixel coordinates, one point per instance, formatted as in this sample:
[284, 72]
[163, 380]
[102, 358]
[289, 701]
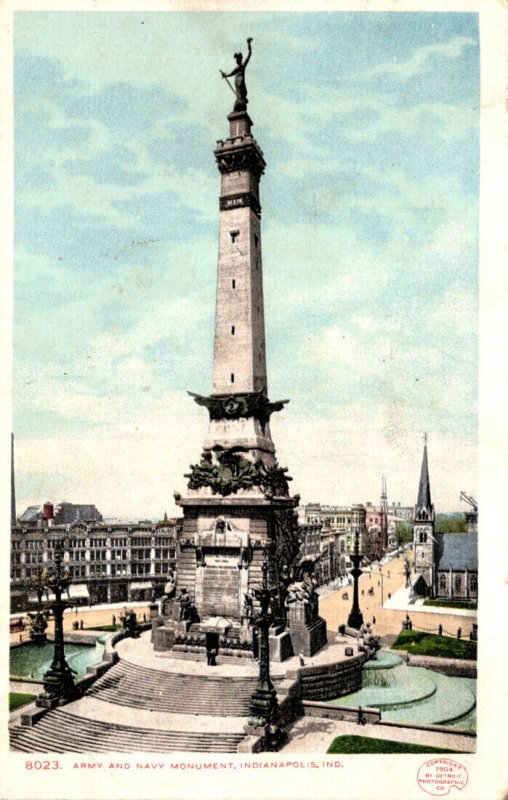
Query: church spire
[424, 499]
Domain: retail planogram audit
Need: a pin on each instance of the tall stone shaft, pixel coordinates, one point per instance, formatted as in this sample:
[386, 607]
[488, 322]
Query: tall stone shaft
[239, 407]
[239, 363]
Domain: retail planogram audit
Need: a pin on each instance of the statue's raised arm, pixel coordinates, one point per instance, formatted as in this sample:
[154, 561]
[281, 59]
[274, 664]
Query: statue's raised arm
[238, 72]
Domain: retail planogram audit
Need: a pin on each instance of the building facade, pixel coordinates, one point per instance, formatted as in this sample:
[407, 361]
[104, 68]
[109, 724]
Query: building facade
[339, 526]
[109, 563]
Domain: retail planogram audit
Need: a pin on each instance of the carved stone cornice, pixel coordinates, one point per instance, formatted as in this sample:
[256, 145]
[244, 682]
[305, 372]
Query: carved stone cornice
[245, 156]
[241, 405]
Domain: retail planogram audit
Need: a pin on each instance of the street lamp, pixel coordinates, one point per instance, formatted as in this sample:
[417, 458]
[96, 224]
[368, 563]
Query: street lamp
[264, 706]
[38, 622]
[264, 699]
[58, 680]
[355, 619]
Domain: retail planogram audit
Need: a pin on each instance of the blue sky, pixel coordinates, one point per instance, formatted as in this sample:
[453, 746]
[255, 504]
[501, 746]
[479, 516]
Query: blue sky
[369, 126]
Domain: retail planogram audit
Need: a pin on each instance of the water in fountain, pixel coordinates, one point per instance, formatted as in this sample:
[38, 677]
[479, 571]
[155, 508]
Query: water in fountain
[32, 660]
[413, 694]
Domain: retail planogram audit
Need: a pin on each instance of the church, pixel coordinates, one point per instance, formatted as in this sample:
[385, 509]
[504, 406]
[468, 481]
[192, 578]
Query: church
[445, 564]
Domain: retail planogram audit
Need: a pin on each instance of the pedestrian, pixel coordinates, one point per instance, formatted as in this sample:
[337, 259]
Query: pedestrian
[440, 630]
[373, 620]
[144, 617]
[81, 624]
[361, 719]
[113, 621]
[459, 633]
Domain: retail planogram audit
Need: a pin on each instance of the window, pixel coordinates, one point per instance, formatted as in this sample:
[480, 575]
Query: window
[232, 330]
[423, 537]
[457, 583]
[232, 377]
[442, 583]
[234, 236]
[233, 284]
[474, 583]
[256, 241]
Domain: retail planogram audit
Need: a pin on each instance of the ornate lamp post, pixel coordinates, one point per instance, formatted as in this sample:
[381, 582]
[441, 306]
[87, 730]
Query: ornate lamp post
[38, 622]
[264, 699]
[58, 680]
[355, 619]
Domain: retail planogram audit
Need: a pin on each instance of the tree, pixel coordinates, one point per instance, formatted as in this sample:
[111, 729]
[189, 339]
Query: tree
[404, 533]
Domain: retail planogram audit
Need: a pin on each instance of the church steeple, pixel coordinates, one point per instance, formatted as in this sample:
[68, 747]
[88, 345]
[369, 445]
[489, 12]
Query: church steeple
[424, 499]
[423, 532]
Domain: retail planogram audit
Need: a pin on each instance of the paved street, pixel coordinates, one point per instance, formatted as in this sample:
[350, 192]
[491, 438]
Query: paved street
[97, 615]
[335, 610]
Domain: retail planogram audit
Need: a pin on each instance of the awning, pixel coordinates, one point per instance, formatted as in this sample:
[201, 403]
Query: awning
[141, 585]
[78, 590]
[45, 597]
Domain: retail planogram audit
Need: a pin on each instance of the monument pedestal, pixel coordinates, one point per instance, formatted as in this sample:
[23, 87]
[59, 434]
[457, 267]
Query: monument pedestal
[281, 646]
[307, 628]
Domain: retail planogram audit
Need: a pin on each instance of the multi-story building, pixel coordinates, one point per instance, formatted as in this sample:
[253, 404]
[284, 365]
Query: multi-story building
[62, 514]
[340, 524]
[400, 512]
[326, 568]
[377, 525]
[109, 563]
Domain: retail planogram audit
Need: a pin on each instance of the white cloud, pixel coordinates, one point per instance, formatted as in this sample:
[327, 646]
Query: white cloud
[130, 468]
[339, 458]
[419, 62]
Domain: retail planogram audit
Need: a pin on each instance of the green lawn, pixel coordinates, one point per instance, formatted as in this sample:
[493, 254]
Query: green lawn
[420, 643]
[450, 604]
[364, 744]
[17, 699]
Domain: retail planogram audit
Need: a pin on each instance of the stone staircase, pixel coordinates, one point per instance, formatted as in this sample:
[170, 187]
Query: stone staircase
[59, 731]
[174, 693]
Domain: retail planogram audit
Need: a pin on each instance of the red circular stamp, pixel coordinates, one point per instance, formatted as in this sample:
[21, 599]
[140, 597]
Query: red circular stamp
[438, 775]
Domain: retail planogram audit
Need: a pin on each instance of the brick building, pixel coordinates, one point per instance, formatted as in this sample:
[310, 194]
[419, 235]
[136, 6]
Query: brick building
[109, 563]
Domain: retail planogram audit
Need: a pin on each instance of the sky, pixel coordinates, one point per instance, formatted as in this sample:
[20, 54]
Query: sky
[369, 124]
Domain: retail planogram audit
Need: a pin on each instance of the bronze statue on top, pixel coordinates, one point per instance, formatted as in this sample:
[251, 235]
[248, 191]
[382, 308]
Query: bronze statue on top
[239, 74]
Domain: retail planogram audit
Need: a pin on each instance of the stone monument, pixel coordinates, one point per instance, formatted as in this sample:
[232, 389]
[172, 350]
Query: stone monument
[238, 511]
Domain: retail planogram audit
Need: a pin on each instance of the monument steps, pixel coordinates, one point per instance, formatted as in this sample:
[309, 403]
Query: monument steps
[60, 732]
[139, 687]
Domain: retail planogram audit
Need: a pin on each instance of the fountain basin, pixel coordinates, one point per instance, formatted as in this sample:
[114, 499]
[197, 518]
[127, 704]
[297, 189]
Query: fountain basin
[29, 661]
[413, 694]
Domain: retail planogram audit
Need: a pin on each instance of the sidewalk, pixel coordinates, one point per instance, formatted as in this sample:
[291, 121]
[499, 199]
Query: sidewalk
[400, 602]
[315, 735]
